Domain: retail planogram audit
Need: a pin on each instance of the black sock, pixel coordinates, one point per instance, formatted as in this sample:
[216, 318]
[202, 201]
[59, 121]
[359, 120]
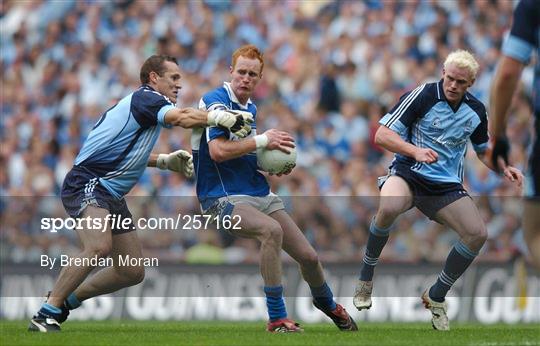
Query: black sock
[458, 260]
[376, 241]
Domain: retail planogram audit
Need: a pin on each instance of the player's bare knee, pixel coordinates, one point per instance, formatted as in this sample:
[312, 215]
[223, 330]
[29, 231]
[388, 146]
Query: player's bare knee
[388, 213]
[272, 231]
[477, 237]
[99, 250]
[481, 235]
[309, 259]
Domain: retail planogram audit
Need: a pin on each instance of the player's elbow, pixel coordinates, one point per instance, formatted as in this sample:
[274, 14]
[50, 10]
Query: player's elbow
[380, 136]
[216, 154]
[508, 73]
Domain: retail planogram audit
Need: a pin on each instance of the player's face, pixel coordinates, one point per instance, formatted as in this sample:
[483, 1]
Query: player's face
[246, 74]
[168, 83]
[456, 81]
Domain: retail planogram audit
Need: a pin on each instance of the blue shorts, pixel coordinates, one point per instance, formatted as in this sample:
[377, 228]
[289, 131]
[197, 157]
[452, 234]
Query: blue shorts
[223, 207]
[81, 188]
[428, 196]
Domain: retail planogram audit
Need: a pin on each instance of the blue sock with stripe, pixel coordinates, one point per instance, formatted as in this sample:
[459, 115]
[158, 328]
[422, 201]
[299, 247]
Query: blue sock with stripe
[376, 241]
[323, 296]
[275, 302]
[457, 262]
[49, 311]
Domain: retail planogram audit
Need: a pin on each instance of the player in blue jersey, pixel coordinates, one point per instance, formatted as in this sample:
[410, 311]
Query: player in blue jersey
[517, 50]
[230, 185]
[428, 130]
[110, 162]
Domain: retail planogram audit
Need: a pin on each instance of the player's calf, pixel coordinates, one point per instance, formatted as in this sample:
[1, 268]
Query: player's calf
[130, 275]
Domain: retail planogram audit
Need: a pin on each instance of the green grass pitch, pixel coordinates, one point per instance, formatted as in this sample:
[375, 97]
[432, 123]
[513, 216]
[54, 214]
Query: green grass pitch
[237, 333]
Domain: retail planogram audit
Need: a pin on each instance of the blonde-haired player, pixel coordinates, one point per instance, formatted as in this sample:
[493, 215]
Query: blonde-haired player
[428, 130]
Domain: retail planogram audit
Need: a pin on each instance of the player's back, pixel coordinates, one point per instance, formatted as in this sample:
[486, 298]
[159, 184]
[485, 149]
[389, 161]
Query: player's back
[118, 147]
[237, 176]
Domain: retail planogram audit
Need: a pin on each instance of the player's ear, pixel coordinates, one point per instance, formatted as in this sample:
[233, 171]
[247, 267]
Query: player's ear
[153, 76]
[230, 69]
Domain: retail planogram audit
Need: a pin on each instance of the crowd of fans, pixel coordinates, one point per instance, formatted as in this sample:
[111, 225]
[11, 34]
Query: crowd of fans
[332, 70]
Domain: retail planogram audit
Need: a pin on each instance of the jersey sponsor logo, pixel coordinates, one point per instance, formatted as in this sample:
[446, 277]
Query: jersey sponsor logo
[450, 142]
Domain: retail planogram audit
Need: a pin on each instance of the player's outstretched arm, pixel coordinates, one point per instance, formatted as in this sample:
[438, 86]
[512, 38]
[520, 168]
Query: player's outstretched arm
[502, 91]
[179, 161]
[391, 141]
[222, 149]
[186, 117]
[238, 122]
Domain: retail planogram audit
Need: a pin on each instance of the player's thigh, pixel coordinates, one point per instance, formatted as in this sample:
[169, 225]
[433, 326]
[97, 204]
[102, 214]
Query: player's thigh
[126, 244]
[396, 195]
[531, 220]
[91, 236]
[294, 241]
[253, 223]
[463, 217]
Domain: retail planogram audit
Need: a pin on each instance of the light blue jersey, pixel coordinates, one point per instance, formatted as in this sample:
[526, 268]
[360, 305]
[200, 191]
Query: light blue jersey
[424, 118]
[238, 176]
[118, 147]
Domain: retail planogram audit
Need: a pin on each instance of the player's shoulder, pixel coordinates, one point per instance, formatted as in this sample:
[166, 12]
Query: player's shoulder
[528, 12]
[423, 98]
[528, 5]
[476, 105]
[431, 90]
[216, 95]
[146, 95]
[252, 108]
[421, 92]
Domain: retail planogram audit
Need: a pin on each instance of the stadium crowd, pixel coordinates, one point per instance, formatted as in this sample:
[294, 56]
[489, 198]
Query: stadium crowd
[333, 68]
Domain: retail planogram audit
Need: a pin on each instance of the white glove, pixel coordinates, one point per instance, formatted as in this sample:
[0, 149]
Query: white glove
[178, 161]
[238, 122]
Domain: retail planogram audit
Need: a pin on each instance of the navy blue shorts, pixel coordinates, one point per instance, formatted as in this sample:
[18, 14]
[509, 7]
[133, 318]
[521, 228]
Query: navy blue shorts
[428, 196]
[81, 188]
